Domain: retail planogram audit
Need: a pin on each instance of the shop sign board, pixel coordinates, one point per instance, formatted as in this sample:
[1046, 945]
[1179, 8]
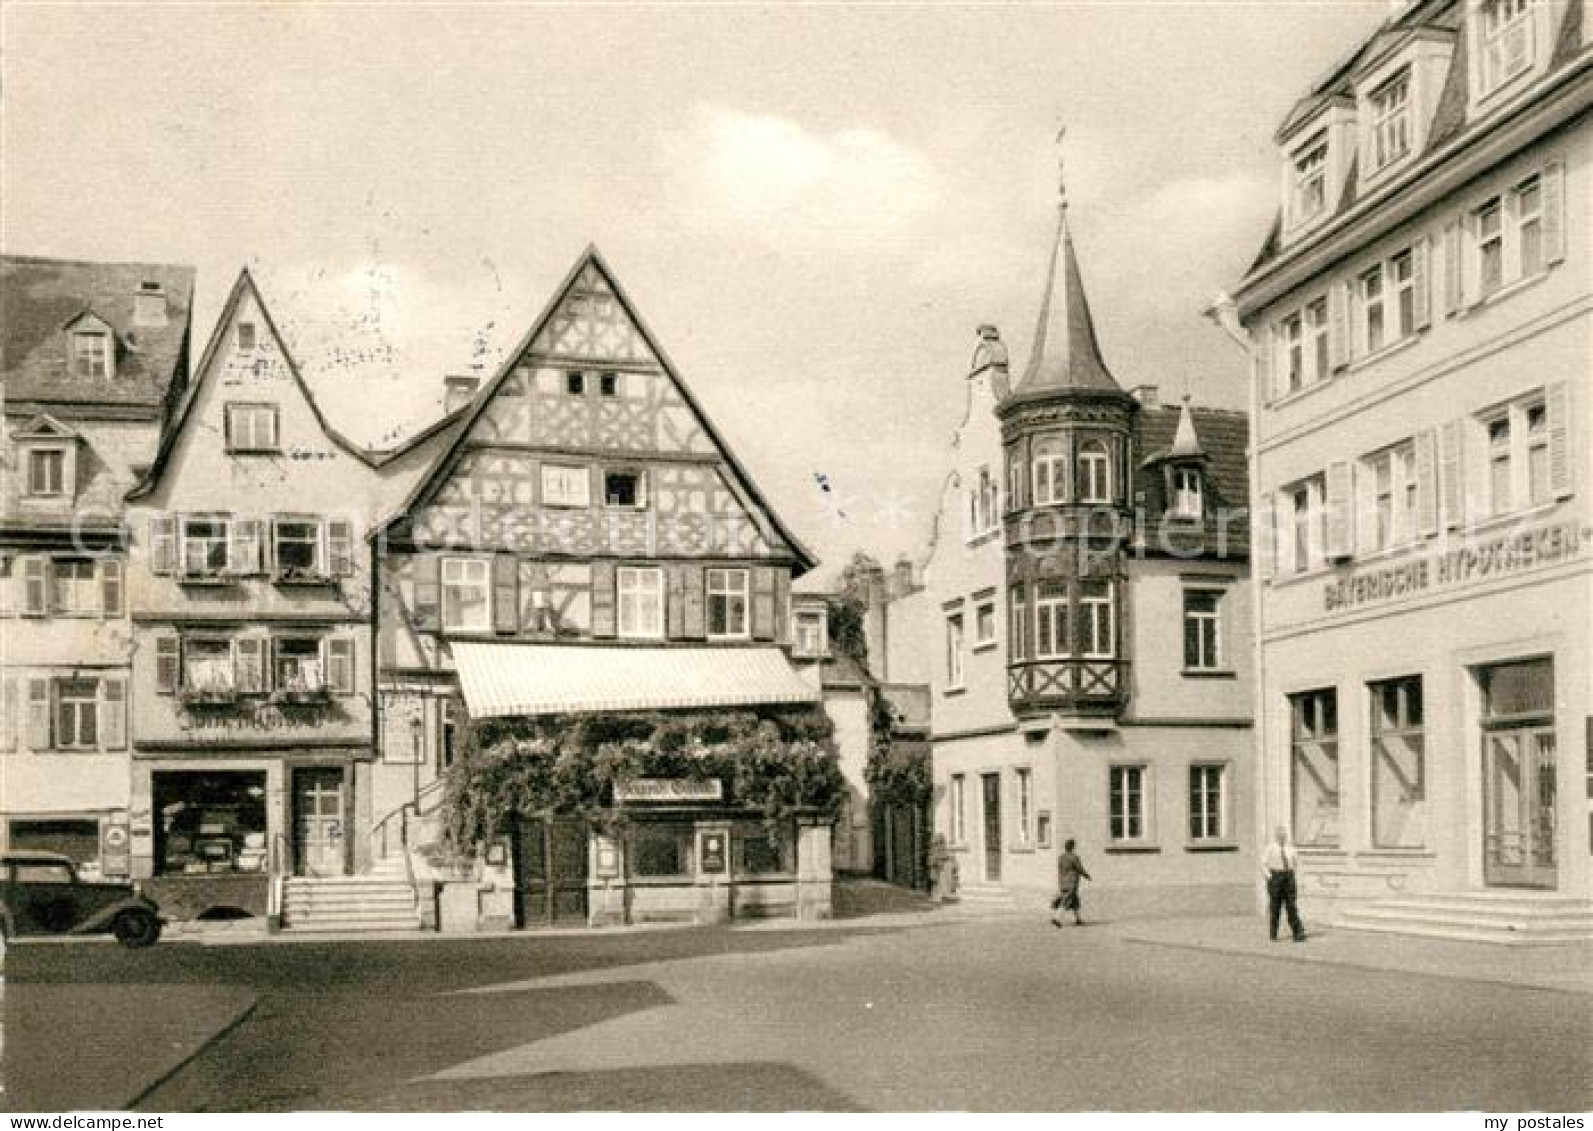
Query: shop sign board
[669, 789]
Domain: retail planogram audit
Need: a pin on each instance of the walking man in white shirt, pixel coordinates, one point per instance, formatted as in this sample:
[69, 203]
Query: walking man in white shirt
[1279, 864]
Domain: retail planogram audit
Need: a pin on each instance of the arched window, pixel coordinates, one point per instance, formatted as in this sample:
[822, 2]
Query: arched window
[1095, 473]
[1050, 470]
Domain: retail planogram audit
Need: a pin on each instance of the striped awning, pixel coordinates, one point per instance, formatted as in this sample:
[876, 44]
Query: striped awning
[546, 679]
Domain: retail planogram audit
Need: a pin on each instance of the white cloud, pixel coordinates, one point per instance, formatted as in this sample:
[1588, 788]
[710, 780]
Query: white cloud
[798, 191]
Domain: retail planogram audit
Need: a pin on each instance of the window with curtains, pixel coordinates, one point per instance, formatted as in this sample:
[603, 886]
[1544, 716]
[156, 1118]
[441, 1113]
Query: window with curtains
[727, 604]
[1208, 802]
[1391, 497]
[466, 594]
[1517, 444]
[1051, 620]
[640, 602]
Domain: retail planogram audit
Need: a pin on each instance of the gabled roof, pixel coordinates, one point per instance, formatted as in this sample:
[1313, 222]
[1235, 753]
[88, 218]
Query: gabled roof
[1065, 355]
[437, 474]
[1223, 437]
[40, 297]
[245, 285]
[44, 427]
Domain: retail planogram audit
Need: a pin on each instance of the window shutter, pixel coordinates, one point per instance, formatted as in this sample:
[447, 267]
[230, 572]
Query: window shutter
[782, 606]
[111, 587]
[675, 601]
[340, 548]
[8, 600]
[427, 613]
[1264, 537]
[168, 664]
[162, 544]
[249, 665]
[505, 593]
[1426, 444]
[1556, 407]
[694, 581]
[1467, 258]
[1338, 326]
[243, 546]
[762, 603]
[1451, 485]
[1421, 290]
[113, 713]
[1340, 505]
[1261, 360]
[38, 714]
[35, 586]
[1553, 181]
[340, 664]
[603, 599]
[8, 714]
[1452, 261]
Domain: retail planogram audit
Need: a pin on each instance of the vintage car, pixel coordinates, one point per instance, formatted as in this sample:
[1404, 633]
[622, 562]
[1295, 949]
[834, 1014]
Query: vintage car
[41, 894]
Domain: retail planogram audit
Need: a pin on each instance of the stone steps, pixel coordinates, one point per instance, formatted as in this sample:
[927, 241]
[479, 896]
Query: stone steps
[1510, 918]
[349, 903]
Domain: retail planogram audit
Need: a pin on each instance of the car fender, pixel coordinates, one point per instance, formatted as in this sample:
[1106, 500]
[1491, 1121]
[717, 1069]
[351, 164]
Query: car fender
[101, 919]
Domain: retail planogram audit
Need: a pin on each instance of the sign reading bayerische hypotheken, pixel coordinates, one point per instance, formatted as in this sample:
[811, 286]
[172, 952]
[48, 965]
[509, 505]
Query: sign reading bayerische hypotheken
[1508, 553]
[669, 789]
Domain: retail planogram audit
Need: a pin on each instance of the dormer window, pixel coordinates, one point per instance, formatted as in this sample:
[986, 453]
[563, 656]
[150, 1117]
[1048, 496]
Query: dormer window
[91, 354]
[1506, 39]
[1188, 496]
[1391, 120]
[47, 473]
[1310, 179]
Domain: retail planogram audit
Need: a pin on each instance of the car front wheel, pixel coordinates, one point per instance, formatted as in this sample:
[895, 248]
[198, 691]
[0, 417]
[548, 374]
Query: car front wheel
[134, 929]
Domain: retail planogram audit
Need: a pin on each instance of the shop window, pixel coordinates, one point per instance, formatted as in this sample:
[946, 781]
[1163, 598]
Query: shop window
[1314, 767]
[1208, 802]
[1202, 638]
[759, 851]
[465, 597]
[662, 850]
[1129, 808]
[1524, 689]
[727, 604]
[1399, 787]
[209, 822]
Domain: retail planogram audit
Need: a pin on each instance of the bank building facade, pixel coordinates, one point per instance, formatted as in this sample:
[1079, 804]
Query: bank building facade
[1420, 320]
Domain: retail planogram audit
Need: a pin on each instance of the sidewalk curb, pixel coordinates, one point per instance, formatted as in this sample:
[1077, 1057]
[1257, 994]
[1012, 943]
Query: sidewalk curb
[1307, 960]
[165, 1077]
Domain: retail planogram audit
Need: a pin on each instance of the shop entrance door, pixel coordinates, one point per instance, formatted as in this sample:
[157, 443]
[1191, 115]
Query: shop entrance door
[549, 873]
[318, 832]
[1518, 768]
[992, 810]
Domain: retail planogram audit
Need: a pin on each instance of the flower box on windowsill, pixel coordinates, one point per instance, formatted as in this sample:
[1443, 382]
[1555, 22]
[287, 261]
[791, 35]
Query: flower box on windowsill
[213, 697]
[295, 576]
[303, 697]
[222, 578]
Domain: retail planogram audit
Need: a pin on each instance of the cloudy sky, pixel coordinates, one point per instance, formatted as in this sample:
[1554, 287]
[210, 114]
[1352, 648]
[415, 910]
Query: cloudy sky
[813, 206]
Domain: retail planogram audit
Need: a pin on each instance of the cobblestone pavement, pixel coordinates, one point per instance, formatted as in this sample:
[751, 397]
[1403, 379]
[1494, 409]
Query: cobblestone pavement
[905, 1011]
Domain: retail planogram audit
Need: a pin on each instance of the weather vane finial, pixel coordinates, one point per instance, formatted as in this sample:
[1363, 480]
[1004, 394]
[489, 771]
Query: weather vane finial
[1061, 167]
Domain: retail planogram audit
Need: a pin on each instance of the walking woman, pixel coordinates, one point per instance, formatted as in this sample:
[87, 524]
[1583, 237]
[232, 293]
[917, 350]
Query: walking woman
[1069, 871]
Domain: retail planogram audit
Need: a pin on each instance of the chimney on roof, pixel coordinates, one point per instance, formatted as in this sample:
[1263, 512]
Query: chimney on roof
[1148, 395]
[149, 304]
[459, 390]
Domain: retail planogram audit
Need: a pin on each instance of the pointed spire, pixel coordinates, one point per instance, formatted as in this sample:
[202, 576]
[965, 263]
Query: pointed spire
[1186, 441]
[1065, 354]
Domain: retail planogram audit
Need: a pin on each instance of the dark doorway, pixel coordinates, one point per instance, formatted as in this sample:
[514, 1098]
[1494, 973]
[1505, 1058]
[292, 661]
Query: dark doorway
[549, 873]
